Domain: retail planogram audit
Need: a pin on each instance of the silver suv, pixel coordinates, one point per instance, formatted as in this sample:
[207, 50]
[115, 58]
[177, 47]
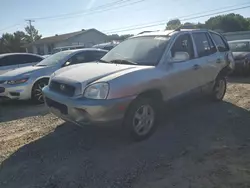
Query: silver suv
[135, 78]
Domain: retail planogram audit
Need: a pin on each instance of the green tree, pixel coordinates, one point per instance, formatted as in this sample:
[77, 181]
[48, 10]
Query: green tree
[12, 42]
[173, 24]
[32, 34]
[228, 23]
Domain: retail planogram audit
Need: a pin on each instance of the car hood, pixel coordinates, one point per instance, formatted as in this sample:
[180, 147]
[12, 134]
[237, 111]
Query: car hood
[90, 72]
[19, 72]
[240, 55]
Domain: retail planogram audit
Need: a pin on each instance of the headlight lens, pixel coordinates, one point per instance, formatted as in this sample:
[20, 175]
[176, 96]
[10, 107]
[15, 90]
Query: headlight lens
[19, 81]
[97, 91]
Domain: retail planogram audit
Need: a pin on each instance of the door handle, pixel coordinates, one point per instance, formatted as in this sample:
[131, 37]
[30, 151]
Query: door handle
[195, 67]
[218, 61]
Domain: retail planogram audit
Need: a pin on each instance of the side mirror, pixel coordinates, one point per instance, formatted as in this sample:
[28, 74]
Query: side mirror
[67, 63]
[180, 57]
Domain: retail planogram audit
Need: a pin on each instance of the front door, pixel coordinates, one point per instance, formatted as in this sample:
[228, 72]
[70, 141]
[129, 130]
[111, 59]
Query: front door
[208, 55]
[182, 77]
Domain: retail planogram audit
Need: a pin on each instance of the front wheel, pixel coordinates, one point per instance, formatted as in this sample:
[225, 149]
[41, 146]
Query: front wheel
[37, 95]
[219, 89]
[140, 119]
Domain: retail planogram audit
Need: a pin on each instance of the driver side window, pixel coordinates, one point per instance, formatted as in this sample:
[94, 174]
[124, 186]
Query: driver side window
[183, 44]
[78, 58]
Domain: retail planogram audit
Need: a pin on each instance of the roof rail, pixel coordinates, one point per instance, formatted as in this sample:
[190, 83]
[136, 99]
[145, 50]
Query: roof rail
[144, 32]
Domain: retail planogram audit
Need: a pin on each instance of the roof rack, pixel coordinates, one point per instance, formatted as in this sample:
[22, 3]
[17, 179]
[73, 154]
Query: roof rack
[144, 32]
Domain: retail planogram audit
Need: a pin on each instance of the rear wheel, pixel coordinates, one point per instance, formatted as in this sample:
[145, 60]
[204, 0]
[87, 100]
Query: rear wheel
[219, 89]
[140, 119]
[37, 95]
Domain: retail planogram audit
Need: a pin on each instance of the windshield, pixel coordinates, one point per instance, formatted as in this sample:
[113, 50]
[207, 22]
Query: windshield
[140, 50]
[54, 59]
[239, 46]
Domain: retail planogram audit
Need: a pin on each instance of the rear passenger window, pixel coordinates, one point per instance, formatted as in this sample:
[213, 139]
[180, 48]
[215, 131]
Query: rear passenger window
[32, 59]
[220, 42]
[23, 59]
[204, 44]
[10, 60]
[183, 44]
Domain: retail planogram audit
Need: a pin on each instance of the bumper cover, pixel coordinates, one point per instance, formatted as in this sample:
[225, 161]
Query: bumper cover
[82, 111]
[19, 92]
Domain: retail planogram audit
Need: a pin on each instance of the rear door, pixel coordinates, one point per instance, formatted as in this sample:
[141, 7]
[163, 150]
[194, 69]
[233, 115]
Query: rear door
[223, 50]
[207, 55]
[8, 63]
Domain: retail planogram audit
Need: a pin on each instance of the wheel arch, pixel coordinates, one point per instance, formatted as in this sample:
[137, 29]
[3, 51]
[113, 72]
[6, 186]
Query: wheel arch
[40, 78]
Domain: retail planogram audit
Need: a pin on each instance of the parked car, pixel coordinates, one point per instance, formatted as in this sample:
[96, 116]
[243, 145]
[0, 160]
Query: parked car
[106, 46]
[11, 61]
[27, 82]
[135, 78]
[241, 53]
[59, 49]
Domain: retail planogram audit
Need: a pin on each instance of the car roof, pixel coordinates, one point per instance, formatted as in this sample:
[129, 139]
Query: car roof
[85, 49]
[243, 40]
[9, 54]
[168, 32]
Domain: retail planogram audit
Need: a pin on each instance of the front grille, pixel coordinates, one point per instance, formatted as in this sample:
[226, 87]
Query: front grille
[2, 89]
[64, 89]
[61, 107]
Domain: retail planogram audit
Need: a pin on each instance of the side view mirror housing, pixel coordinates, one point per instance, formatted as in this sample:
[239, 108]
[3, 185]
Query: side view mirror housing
[180, 57]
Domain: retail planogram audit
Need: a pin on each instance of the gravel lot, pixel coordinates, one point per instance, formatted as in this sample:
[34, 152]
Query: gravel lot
[199, 144]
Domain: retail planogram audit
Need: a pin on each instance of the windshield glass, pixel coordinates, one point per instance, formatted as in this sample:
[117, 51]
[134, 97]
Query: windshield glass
[239, 46]
[54, 59]
[140, 50]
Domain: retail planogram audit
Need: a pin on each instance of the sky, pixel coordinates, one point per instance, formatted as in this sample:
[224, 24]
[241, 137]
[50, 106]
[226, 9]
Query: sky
[105, 15]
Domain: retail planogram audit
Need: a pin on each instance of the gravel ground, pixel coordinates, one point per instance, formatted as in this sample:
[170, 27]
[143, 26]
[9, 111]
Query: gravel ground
[199, 144]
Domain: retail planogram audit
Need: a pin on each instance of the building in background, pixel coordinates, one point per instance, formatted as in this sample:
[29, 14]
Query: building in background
[86, 38]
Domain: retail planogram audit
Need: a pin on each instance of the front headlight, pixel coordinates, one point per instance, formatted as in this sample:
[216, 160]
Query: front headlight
[97, 91]
[19, 81]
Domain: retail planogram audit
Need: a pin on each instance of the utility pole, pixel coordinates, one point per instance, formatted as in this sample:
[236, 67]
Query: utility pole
[31, 34]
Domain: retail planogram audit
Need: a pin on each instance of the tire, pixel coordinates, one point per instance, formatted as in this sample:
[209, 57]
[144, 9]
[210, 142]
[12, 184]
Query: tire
[36, 94]
[138, 125]
[219, 89]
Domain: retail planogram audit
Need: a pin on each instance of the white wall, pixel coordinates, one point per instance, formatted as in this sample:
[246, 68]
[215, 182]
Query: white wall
[89, 38]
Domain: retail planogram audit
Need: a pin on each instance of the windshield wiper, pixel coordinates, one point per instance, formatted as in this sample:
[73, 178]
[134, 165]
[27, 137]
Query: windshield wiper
[40, 65]
[103, 61]
[123, 61]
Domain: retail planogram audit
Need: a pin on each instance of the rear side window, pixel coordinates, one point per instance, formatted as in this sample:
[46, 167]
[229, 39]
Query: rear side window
[18, 59]
[9, 60]
[220, 42]
[204, 44]
[30, 59]
[2, 61]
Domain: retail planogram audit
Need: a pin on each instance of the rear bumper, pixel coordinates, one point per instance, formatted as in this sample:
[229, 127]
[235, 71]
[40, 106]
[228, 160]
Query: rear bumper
[82, 111]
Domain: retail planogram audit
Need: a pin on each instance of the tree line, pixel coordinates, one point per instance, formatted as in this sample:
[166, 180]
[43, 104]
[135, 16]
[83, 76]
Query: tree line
[222, 23]
[14, 42]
